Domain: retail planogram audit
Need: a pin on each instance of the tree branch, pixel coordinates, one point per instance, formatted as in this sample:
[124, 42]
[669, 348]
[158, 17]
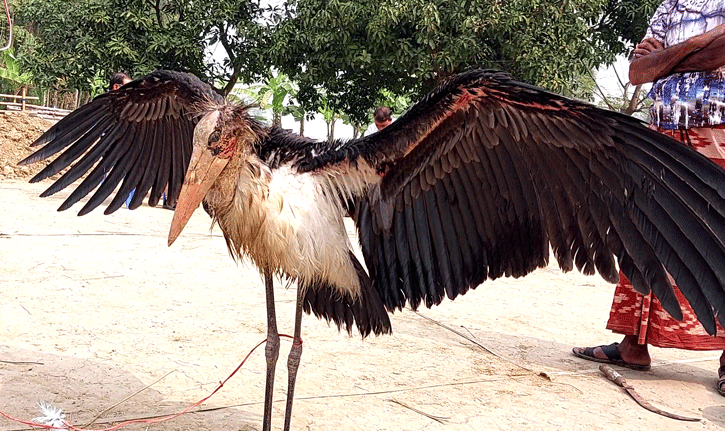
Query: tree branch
[236, 68]
[634, 101]
[157, 7]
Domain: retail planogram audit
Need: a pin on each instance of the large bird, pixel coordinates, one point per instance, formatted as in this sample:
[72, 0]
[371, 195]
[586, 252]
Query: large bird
[476, 181]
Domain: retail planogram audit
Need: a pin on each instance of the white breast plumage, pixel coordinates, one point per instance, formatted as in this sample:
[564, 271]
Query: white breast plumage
[278, 217]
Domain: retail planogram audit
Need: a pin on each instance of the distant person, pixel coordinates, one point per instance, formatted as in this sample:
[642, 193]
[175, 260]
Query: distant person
[383, 116]
[118, 80]
[683, 54]
[165, 202]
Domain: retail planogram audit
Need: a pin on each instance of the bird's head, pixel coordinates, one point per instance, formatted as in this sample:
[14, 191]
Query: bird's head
[218, 136]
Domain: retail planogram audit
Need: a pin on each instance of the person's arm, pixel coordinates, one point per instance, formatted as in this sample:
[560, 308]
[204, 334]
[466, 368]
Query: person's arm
[709, 58]
[703, 52]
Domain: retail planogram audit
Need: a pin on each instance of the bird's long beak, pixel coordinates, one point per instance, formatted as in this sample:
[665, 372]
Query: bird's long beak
[203, 170]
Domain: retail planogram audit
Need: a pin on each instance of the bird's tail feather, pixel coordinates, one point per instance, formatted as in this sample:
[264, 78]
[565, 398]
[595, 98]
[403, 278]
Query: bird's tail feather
[366, 311]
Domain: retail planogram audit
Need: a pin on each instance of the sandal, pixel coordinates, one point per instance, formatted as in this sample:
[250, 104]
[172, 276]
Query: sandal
[614, 358]
[721, 380]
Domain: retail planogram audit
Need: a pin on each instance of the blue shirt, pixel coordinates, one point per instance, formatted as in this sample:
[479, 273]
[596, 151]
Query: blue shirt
[690, 99]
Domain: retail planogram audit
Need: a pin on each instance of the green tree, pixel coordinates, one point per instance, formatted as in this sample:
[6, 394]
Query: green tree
[329, 114]
[397, 103]
[76, 41]
[358, 129]
[622, 25]
[10, 71]
[352, 49]
[276, 90]
[299, 113]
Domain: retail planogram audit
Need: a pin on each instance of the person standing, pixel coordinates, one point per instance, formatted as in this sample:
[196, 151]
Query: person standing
[683, 55]
[383, 116]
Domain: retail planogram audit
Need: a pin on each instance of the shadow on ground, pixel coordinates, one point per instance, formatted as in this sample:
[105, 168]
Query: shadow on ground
[83, 388]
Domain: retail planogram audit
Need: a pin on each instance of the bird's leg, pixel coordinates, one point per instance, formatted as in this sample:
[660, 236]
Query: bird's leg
[271, 351]
[293, 361]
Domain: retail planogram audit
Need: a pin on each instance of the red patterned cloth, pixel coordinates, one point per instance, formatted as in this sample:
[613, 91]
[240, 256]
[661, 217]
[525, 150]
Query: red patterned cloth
[643, 316]
[709, 141]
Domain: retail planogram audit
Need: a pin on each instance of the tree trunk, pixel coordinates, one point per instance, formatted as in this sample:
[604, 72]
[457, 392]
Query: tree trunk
[634, 101]
[331, 134]
[302, 126]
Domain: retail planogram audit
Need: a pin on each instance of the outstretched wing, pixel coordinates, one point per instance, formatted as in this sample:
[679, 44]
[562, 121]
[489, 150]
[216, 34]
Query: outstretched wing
[484, 174]
[139, 135]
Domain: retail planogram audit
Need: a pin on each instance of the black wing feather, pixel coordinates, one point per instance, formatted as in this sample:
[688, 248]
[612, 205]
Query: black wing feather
[564, 171]
[434, 290]
[492, 171]
[143, 173]
[139, 136]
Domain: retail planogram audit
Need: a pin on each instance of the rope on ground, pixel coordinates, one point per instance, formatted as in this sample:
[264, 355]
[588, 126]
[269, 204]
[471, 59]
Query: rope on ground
[476, 342]
[138, 418]
[54, 419]
[439, 419]
[126, 399]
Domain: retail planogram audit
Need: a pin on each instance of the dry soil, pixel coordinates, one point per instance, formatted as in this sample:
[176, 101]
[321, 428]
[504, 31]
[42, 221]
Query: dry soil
[95, 308]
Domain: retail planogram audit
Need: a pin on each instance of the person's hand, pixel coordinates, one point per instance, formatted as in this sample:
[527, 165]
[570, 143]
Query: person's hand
[647, 46]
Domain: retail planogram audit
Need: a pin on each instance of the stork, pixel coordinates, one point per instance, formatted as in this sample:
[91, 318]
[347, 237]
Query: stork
[480, 179]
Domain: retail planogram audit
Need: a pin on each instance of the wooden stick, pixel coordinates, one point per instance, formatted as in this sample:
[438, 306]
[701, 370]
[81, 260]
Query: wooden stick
[620, 381]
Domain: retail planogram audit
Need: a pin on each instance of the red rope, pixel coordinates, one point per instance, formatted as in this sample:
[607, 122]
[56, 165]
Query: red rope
[68, 426]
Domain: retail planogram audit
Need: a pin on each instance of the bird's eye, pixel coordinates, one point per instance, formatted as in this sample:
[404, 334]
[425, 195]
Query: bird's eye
[214, 137]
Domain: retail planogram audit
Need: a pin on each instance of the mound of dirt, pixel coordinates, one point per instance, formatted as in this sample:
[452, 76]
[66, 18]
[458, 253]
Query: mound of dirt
[17, 131]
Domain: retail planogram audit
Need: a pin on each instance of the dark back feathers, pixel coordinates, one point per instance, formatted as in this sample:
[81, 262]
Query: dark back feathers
[485, 174]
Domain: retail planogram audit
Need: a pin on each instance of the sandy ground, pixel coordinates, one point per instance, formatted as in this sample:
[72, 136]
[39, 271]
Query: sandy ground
[96, 308]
